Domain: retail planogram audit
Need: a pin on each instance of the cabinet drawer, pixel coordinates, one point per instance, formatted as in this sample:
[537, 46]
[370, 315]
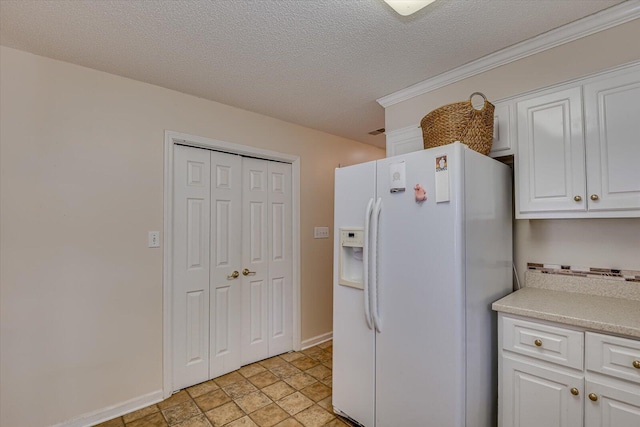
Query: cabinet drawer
[613, 356]
[557, 345]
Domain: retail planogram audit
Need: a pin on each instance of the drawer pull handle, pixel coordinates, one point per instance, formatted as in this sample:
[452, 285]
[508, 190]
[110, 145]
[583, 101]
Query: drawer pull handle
[575, 391]
[538, 343]
[593, 397]
[636, 364]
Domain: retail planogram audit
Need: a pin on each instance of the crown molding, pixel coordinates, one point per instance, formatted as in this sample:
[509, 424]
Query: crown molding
[608, 18]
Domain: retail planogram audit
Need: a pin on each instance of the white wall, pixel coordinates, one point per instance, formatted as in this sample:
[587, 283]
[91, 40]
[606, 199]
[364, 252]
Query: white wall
[608, 243]
[81, 183]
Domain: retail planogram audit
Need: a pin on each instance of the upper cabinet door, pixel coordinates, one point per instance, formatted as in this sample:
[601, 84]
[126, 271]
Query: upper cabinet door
[612, 115]
[550, 164]
[503, 128]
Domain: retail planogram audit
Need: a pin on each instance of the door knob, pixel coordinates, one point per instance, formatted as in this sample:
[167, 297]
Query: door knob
[593, 397]
[575, 391]
[246, 272]
[636, 364]
[233, 275]
[594, 197]
[577, 198]
[538, 343]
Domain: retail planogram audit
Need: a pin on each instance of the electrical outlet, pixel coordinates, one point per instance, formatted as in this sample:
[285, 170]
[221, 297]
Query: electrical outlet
[154, 239]
[321, 233]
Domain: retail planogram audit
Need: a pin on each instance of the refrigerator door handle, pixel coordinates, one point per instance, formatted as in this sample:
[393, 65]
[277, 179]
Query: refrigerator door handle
[374, 270]
[365, 259]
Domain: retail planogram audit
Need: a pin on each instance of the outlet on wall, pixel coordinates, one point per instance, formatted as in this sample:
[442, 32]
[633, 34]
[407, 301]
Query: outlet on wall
[321, 233]
[154, 239]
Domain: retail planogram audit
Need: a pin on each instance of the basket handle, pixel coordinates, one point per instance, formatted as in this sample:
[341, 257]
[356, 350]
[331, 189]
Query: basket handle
[483, 97]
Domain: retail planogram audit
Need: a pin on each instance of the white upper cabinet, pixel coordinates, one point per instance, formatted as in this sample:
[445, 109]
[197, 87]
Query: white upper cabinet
[579, 149]
[612, 122]
[576, 146]
[551, 153]
[404, 140]
[503, 129]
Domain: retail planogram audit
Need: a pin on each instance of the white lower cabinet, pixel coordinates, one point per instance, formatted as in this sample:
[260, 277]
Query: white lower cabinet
[534, 395]
[611, 403]
[544, 382]
[612, 381]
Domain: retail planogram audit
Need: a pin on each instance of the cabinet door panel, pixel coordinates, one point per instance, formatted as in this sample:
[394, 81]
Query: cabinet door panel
[617, 404]
[612, 115]
[536, 396]
[503, 140]
[404, 140]
[551, 153]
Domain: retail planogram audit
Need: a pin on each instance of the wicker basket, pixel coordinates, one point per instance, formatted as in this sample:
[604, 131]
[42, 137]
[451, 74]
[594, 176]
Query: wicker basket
[460, 122]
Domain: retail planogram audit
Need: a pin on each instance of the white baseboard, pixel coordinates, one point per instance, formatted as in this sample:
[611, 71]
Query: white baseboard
[114, 411]
[316, 340]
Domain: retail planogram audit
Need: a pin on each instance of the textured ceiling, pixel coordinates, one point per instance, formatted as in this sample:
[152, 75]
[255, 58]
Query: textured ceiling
[321, 64]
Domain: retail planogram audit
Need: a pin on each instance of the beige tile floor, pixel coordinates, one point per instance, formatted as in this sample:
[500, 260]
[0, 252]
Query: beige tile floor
[290, 390]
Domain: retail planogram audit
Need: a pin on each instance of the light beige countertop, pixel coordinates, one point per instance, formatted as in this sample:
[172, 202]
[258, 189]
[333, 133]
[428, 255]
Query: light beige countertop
[619, 315]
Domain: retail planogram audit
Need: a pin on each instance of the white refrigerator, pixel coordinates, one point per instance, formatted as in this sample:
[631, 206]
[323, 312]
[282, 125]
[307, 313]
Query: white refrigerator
[414, 337]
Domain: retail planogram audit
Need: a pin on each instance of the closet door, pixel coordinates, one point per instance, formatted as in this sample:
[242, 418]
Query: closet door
[232, 268]
[280, 283]
[225, 279]
[255, 256]
[190, 308]
[267, 288]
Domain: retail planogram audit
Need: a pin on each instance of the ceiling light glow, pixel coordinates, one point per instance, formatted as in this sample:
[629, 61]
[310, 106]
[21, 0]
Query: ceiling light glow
[407, 7]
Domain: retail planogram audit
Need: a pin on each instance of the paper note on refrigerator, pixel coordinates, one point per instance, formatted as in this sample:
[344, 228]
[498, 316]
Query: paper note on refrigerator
[397, 176]
[442, 179]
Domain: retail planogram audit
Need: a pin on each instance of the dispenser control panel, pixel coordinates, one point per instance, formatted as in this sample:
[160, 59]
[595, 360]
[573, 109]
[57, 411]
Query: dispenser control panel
[352, 237]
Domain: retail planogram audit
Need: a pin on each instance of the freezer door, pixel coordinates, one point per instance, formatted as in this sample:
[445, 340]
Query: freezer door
[353, 340]
[420, 349]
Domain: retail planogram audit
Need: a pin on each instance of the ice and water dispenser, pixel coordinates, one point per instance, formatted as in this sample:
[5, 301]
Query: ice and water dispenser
[351, 260]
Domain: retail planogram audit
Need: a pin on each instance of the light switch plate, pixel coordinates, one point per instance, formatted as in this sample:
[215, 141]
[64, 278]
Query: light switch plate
[321, 233]
[154, 239]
